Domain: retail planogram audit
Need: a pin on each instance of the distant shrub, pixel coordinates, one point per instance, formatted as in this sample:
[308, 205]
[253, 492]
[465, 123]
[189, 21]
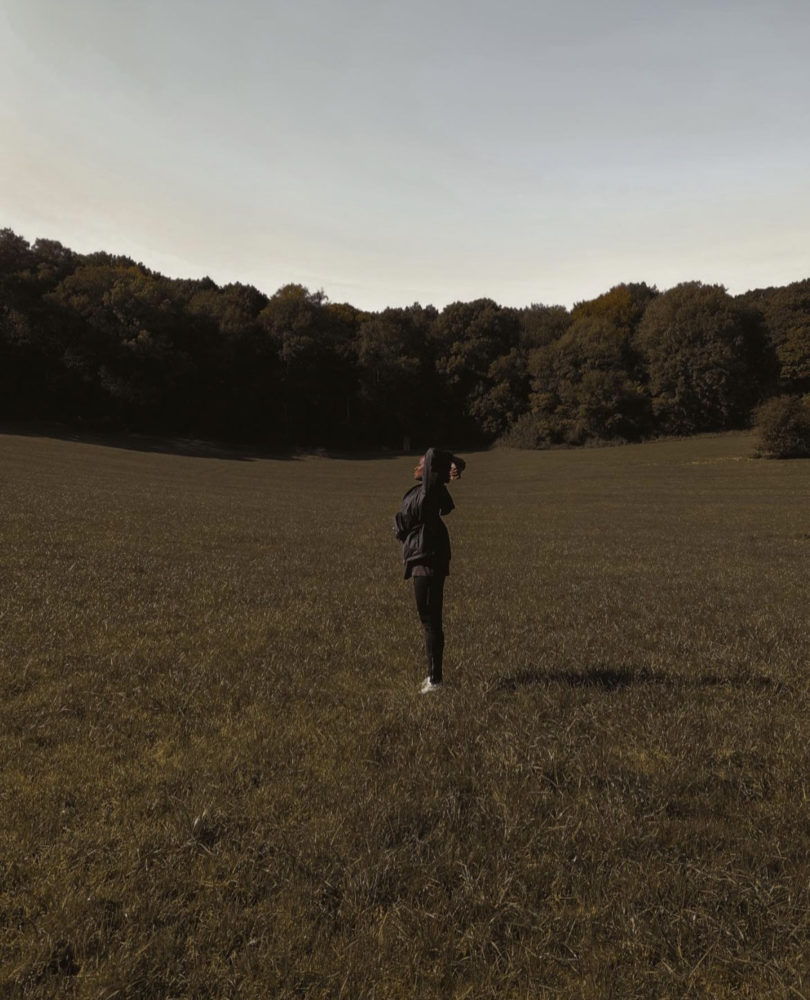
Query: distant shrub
[538, 430]
[783, 424]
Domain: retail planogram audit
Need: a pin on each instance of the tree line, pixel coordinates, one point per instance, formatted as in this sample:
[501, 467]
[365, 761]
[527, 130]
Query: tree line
[100, 341]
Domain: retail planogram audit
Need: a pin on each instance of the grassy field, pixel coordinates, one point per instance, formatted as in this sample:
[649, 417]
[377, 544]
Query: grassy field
[219, 780]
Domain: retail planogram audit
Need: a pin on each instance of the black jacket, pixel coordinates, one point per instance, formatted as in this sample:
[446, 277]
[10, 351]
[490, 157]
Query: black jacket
[419, 525]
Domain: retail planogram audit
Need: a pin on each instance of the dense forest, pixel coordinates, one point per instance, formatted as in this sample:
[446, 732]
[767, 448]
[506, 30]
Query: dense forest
[98, 341]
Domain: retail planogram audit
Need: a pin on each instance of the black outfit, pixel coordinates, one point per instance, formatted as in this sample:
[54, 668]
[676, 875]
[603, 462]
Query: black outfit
[429, 593]
[426, 549]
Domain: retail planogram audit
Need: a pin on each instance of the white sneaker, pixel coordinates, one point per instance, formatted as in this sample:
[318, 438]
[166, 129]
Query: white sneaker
[428, 685]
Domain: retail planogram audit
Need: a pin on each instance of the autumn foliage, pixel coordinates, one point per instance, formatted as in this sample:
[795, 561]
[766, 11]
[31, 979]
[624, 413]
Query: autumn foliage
[99, 341]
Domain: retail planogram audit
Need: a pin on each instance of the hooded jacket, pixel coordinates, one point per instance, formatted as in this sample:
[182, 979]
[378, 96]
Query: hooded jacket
[419, 525]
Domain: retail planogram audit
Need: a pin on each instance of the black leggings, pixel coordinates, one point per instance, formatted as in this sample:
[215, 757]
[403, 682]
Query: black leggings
[429, 592]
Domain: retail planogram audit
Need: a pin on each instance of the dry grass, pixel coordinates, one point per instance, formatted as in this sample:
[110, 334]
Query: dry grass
[218, 779]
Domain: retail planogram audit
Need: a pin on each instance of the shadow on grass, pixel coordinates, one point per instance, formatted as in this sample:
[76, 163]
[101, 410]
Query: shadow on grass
[616, 679]
[165, 445]
[186, 447]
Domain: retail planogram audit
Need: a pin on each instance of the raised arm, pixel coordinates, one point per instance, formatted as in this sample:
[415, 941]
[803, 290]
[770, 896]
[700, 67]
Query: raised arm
[439, 467]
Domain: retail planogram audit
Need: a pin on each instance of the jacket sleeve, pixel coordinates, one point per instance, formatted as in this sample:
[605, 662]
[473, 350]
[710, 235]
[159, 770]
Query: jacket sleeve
[436, 472]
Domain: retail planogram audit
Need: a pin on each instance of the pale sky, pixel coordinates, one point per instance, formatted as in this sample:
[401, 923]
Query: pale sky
[388, 153]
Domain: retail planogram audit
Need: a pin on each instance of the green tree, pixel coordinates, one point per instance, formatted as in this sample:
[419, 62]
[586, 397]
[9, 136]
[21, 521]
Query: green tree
[313, 344]
[540, 325]
[16, 260]
[244, 370]
[397, 382]
[783, 423]
[707, 357]
[786, 315]
[589, 383]
[793, 354]
[32, 382]
[127, 347]
[507, 395]
[469, 338]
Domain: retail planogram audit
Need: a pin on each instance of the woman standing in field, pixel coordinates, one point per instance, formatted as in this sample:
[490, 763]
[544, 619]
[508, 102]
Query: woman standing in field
[426, 548]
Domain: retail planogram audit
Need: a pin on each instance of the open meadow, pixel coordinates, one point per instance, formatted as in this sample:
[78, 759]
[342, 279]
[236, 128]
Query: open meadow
[219, 779]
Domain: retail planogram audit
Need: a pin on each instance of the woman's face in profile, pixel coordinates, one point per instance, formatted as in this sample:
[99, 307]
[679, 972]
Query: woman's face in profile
[420, 468]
